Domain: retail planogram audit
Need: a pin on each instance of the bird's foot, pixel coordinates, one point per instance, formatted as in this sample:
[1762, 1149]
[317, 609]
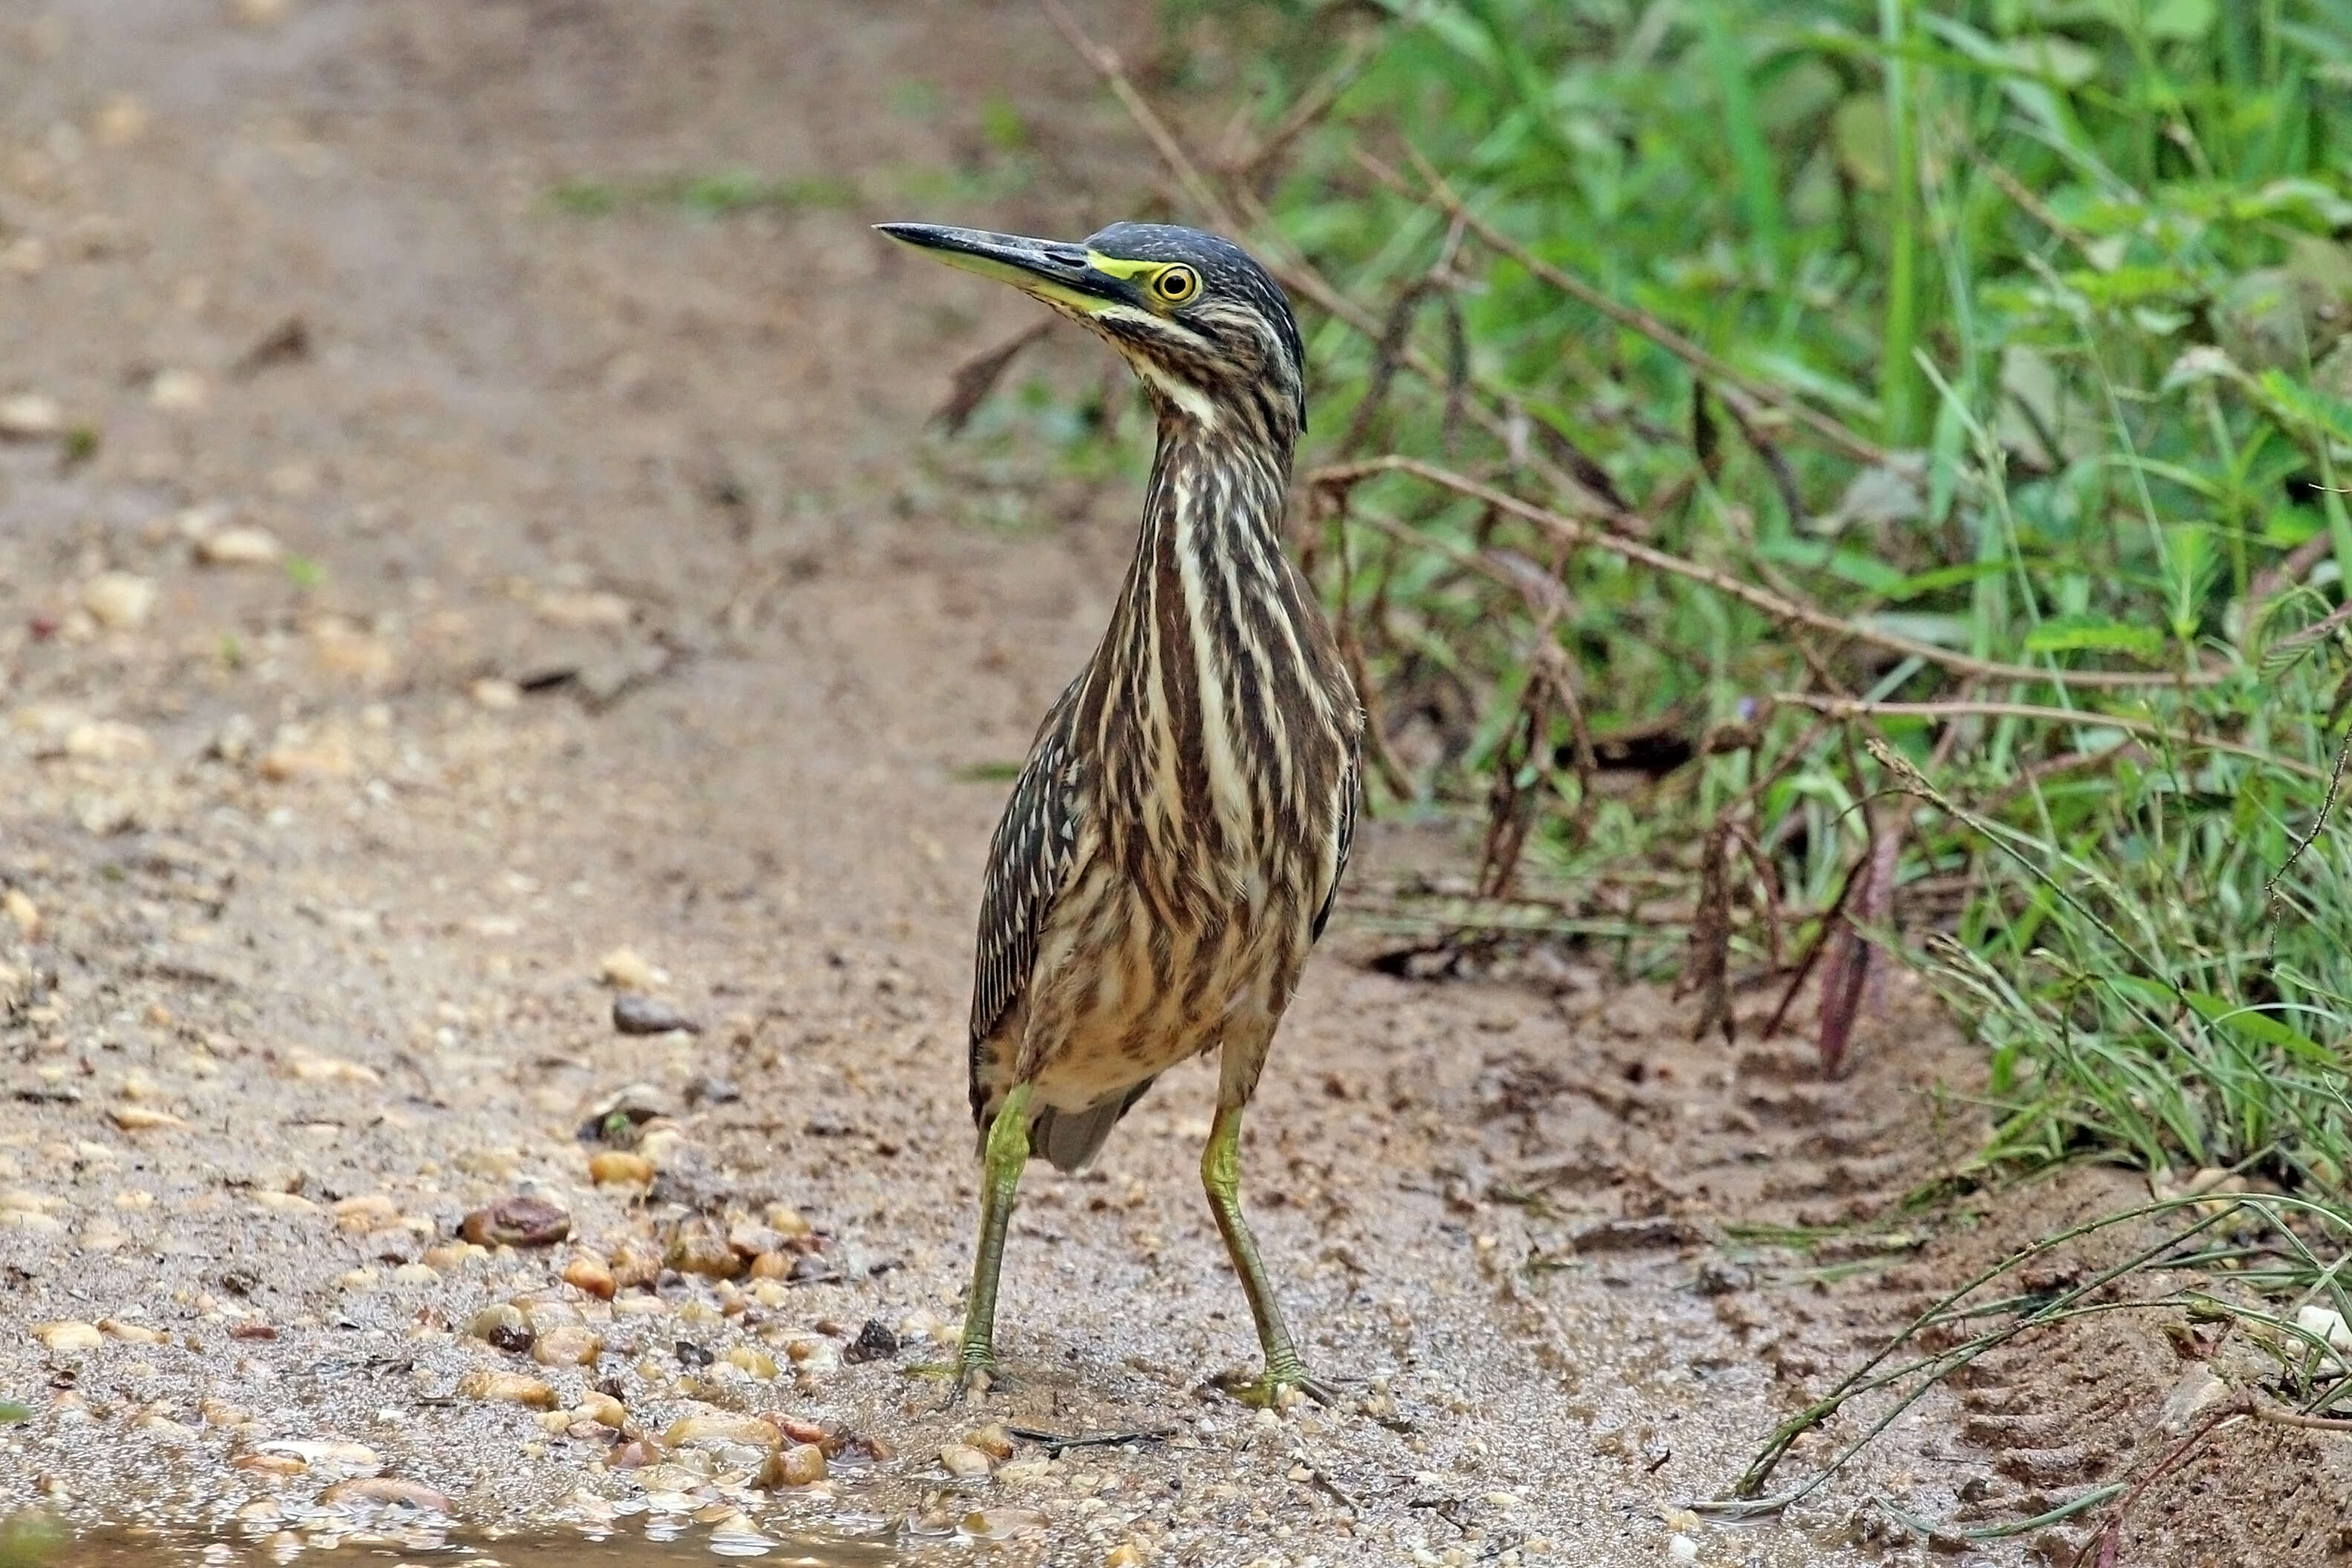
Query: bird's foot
[975, 1374]
[1280, 1388]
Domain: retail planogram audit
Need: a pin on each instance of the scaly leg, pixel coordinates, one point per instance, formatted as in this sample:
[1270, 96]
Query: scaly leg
[1008, 1153]
[1220, 1173]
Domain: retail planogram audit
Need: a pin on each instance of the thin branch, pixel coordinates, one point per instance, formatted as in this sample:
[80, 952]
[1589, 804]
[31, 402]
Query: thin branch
[1787, 611]
[1848, 708]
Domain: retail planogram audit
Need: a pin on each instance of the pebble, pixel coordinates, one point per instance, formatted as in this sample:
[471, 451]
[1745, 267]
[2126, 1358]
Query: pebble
[619, 1168]
[388, 1489]
[109, 741]
[132, 1333]
[367, 1212]
[993, 1441]
[30, 416]
[179, 391]
[353, 1458]
[119, 601]
[505, 1388]
[698, 1247]
[309, 1067]
[721, 1429]
[634, 1013]
[589, 1276]
[584, 611]
[503, 1326]
[752, 1361]
[635, 1261]
[801, 1465]
[67, 1336]
[416, 1275]
[1682, 1548]
[297, 764]
[142, 1119]
[495, 693]
[568, 1347]
[1001, 1523]
[875, 1341]
[518, 1221]
[20, 907]
[624, 970]
[1126, 1555]
[241, 546]
[604, 1409]
[284, 1203]
[963, 1461]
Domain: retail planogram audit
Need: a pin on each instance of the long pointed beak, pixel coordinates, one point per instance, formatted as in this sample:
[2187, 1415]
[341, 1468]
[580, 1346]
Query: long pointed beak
[1058, 273]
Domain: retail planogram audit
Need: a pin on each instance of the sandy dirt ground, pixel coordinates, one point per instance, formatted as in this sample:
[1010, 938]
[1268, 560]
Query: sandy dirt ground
[431, 612]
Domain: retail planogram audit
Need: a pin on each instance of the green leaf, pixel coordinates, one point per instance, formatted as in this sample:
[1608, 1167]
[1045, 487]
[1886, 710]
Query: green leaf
[2259, 1027]
[2095, 634]
[2180, 21]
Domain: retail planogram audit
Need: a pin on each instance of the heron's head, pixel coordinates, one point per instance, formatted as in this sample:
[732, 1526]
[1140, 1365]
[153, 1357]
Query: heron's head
[1207, 330]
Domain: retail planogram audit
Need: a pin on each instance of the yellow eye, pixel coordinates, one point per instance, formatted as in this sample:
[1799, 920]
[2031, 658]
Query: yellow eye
[1176, 285]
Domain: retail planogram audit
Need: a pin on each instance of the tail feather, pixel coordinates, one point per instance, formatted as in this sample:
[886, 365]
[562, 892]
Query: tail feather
[1071, 1139]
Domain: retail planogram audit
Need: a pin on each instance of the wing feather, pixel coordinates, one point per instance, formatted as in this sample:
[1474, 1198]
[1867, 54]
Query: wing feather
[1351, 786]
[1028, 862]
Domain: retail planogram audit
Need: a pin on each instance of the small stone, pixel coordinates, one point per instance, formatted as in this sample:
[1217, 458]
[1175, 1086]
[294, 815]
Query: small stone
[875, 1341]
[589, 1276]
[309, 1067]
[305, 765]
[619, 1168]
[721, 1429]
[800, 1465]
[270, 1465]
[1005, 1524]
[368, 1212]
[624, 970]
[68, 1337]
[634, 1013]
[604, 1409]
[31, 1220]
[119, 601]
[389, 1492]
[786, 1221]
[285, 1203]
[416, 1276]
[503, 1326]
[449, 1256]
[505, 1388]
[518, 1221]
[120, 121]
[131, 1334]
[635, 1261]
[495, 693]
[993, 1441]
[582, 611]
[963, 1461]
[568, 1347]
[698, 1247]
[19, 907]
[1128, 1554]
[1682, 1548]
[109, 741]
[243, 546]
[772, 1266]
[142, 1119]
[752, 1360]
[179, 392]
[29, 416]
[349, 1459]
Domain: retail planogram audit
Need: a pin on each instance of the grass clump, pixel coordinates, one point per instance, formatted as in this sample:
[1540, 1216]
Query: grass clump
[1852, 476]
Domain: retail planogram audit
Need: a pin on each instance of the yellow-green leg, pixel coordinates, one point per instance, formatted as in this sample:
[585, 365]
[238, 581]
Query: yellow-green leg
[1007, 1156]
[1221, 1174]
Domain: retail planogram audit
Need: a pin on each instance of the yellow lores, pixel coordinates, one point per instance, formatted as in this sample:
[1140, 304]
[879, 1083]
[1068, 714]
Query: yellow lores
[1174, 843]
